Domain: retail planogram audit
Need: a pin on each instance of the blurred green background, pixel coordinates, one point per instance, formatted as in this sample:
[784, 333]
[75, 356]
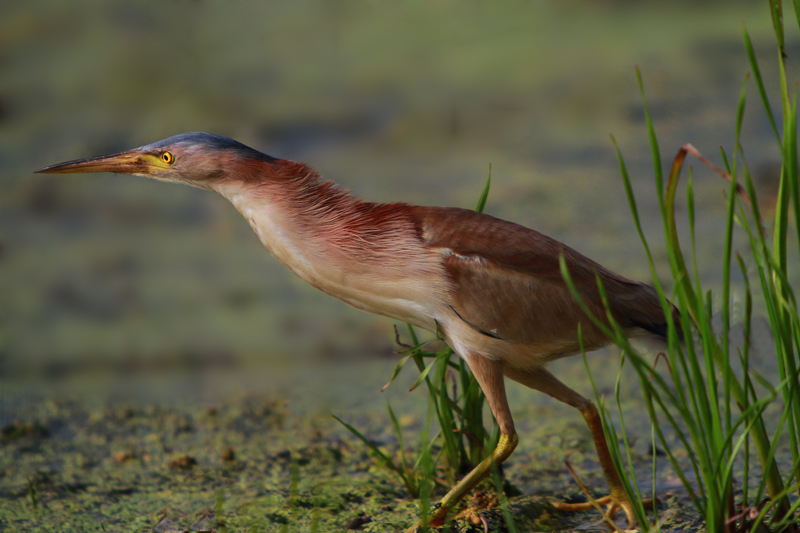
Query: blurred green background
[397, 101]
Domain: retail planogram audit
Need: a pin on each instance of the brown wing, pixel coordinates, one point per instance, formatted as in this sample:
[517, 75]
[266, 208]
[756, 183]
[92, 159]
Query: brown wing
[508, 281]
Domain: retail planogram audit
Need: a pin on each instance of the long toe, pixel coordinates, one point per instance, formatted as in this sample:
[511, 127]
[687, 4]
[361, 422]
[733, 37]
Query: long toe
[611, 503]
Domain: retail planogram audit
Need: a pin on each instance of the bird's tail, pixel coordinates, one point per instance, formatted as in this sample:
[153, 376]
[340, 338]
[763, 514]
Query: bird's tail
[661, 328]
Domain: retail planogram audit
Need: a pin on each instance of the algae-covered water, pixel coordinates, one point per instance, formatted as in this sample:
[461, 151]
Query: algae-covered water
[156, 362]
[251, 451]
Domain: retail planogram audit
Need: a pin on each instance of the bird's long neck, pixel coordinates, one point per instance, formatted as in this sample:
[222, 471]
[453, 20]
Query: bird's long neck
[367, 254]
[307, 223]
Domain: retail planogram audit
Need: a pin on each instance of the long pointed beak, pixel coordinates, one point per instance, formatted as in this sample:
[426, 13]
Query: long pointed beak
[130, 162]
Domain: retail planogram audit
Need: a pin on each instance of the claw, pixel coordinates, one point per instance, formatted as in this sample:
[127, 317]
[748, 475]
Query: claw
[613, 502]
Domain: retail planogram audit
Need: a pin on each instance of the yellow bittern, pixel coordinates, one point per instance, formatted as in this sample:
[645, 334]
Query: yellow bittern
[492, 288]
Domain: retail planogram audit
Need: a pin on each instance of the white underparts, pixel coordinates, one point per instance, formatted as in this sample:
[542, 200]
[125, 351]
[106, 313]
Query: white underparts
[383, 283]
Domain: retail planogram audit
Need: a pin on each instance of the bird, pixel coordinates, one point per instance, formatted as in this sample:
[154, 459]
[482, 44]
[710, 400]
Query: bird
[492, 289]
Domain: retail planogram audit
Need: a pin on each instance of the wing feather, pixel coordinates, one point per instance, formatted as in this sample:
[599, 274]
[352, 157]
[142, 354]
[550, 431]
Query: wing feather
[508, 283]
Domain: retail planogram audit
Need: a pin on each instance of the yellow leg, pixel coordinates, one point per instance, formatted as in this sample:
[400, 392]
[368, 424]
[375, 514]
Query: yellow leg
[542, 380]
[438, 516]
[617, 499]
[489, 374]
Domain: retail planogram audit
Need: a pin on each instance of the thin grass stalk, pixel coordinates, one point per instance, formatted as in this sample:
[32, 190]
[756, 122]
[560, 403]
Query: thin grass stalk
[657, 172]
[653, 474]
[726, 269]
[748, 418]
[785, 352]
[411, 480]
[745, 361]
[635, 214]
[505, 507]
[794, 186]
[726, 309]
[776, 12]
[472, 418]
[385, 459]
[632, 481]
[730, 216]
[796, 6]
[790, 363]
[472, 425]
[428, 466]
[451, 442]
[692, 232]
[469, 418]
[751, 57]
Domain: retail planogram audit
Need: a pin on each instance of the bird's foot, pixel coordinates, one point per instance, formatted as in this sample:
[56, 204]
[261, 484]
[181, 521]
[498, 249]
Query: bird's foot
[438, 514]
[612, 503]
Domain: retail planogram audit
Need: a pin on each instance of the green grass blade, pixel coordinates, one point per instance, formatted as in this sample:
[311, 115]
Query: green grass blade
[386, 460]
[485, 193]
[635, 214]
[740, 119]
[511, 525]
[776, 12]
[423, 375]
[401, 444]
[651, 133]
[692, 228]
[398, 367]
[751, 57]
[451, 443]
[726, 287]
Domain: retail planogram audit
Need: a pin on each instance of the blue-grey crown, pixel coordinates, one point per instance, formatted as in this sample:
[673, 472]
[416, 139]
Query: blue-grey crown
[210, 141]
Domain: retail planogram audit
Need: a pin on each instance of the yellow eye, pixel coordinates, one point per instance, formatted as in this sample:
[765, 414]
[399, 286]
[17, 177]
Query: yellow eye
[166, 157]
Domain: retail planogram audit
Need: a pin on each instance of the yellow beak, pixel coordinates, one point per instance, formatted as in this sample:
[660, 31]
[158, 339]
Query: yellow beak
[130, 162]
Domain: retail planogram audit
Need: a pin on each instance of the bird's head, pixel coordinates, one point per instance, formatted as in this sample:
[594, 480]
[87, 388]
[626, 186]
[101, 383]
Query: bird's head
[198, 159]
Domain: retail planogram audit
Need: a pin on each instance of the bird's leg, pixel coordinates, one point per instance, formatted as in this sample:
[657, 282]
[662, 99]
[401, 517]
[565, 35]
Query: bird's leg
[617, 498]
[542, 380]
[489, 374]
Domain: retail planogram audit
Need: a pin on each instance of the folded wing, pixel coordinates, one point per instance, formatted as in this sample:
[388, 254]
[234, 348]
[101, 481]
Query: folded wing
[508, 283]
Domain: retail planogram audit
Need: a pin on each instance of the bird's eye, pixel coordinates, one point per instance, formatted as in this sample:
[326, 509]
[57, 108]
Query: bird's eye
[167, 157]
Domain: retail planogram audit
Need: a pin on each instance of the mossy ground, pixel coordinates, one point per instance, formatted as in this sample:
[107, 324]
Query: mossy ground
[176, 451]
